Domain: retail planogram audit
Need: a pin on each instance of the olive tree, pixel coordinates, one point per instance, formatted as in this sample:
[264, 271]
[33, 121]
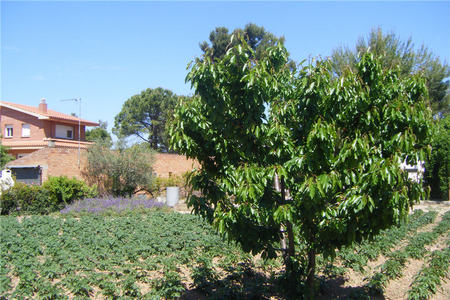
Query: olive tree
[122, 171]
[300, 163]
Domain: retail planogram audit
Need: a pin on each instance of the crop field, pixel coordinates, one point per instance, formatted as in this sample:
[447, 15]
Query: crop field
[136, 256]
[163, 255]
[406, 262]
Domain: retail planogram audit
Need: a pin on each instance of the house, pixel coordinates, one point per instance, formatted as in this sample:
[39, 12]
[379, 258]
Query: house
[415, 172]
[45, 142]
[26, 129]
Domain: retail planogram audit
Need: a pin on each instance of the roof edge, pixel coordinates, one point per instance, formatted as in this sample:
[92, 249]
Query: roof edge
[39, 116]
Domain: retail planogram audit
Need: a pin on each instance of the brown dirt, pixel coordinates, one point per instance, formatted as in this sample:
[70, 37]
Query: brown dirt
[341, 287]
[398, 288]
[352, 282]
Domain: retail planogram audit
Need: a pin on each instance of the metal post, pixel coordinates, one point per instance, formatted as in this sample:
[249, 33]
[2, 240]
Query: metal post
[79, 131]
[79, 125]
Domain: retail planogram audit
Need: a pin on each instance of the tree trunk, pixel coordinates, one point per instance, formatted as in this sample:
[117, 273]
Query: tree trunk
[284, 237]
[290, 233]
[311, 269]
[287, 243]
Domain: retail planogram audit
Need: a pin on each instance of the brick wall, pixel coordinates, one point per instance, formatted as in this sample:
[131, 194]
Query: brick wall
[38, 128]
[54, 162]
[166, 165]
[64, 161]
[15, 153]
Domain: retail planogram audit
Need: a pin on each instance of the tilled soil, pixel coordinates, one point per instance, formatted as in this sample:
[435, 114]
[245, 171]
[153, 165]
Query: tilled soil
[352, 282]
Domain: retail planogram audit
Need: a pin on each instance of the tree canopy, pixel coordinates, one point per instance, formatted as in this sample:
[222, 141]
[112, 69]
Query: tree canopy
[396, 52]
[99, 134]
[256, 37]
[320, 170]
[145, 115]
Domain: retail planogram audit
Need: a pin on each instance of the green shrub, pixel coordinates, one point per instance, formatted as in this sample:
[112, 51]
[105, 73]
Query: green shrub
[437, 167]
[204, 276]
[120, 172]
[51, 196]
[5, 157]
[161, 183]
[26, 198]
[64, 190]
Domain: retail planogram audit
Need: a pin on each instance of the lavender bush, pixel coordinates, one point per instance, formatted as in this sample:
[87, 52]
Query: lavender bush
[114, 204]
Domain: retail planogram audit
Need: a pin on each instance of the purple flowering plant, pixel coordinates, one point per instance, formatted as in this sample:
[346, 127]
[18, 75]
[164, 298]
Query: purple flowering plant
[111, 205]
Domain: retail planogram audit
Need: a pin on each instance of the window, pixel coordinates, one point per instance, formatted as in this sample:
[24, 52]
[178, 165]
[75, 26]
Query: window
[64, 132]
[9, 131]
[25, 130]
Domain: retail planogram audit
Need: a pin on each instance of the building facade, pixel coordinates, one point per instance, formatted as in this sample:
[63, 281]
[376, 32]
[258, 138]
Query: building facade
[43, 141]
[25, 129]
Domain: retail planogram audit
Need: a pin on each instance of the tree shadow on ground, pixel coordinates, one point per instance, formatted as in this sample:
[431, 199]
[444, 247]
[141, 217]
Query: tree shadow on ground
[334, 288]
[242, 282]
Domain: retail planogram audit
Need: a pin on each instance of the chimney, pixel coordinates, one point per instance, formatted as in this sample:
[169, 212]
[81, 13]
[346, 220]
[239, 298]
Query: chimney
[43, 106]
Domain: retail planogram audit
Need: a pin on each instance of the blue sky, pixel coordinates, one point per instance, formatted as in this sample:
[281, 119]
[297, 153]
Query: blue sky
[105, 52]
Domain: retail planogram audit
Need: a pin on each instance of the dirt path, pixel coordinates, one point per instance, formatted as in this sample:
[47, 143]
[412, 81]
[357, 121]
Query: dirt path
[398, 289]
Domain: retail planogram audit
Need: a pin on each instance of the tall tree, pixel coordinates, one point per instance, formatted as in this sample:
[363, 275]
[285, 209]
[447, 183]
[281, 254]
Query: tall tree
[331, 146]
[145, 115]
[403, 54]
[220, 40]
[99, 134]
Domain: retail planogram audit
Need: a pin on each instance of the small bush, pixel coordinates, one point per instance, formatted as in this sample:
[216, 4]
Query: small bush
[26, 198]
[204, 276]
[51, 196]
[64, 190]
[170, 286]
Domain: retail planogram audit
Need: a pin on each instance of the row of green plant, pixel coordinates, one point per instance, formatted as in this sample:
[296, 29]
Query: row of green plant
[52, 195]
[356, 257]
[393, 267]
[431, 276]
[115, 256]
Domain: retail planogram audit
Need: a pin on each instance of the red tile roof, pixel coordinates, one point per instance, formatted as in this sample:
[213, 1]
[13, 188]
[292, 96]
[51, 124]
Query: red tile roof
[51, 114]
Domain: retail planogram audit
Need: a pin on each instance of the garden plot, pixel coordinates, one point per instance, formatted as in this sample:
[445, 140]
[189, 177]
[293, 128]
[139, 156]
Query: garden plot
[406, 262]
[160, 254]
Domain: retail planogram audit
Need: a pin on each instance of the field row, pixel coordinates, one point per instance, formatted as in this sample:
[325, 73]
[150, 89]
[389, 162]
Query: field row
[158, 254]
[398, 245]
[52, 257]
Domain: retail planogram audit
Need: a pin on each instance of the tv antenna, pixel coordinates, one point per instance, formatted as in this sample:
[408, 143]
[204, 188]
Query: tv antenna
[79, 124]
